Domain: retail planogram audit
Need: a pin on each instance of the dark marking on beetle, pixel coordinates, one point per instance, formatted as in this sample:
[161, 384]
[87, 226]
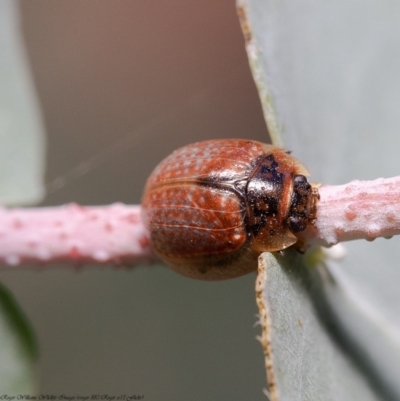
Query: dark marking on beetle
[264, 191]
[299, 214]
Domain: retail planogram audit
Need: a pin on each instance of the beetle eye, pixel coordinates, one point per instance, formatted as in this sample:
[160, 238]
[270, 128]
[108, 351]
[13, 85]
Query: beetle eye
[300, 179]
[301, 183]
[296, 224]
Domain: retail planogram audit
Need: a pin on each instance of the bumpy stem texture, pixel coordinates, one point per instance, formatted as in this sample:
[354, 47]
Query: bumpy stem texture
[115, 234]
[74, 234]
[357, 210]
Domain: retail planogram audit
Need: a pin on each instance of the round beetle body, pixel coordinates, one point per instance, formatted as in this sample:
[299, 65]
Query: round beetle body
[212, 207]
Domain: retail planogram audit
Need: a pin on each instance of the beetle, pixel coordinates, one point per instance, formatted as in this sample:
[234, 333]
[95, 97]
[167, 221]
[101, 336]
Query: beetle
[213, 207]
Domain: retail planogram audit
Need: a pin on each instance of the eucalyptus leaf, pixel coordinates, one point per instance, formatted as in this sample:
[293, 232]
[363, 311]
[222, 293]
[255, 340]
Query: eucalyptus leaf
[331, 73]
[332, 69]
[21, 126]
[310, 352]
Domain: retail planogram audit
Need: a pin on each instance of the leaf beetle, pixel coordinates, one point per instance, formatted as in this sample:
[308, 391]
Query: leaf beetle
[212, 207]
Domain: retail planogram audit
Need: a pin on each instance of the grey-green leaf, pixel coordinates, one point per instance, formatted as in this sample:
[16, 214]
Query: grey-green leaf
[331, 70]
[21, 126]
[313, 358]
[21, 182]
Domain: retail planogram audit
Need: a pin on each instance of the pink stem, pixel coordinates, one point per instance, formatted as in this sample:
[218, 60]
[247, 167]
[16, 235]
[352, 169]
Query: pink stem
[357, 210]
[73, 234]
[115, 234]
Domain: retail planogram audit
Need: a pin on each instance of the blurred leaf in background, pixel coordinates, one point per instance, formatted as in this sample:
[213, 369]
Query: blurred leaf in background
[21, 126]
[21, 182]
[18, 348]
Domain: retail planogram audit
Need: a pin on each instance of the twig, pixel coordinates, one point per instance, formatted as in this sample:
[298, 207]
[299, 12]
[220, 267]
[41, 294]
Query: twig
[115, 234]
[357, 210]
[74, 234]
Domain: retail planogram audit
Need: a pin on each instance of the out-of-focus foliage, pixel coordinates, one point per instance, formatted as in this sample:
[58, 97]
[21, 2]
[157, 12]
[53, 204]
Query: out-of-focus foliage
[21, 182]
[18, 349]
[21, 127]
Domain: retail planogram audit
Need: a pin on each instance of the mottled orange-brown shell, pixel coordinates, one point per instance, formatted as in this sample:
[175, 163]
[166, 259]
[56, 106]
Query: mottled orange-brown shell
[210, 208]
